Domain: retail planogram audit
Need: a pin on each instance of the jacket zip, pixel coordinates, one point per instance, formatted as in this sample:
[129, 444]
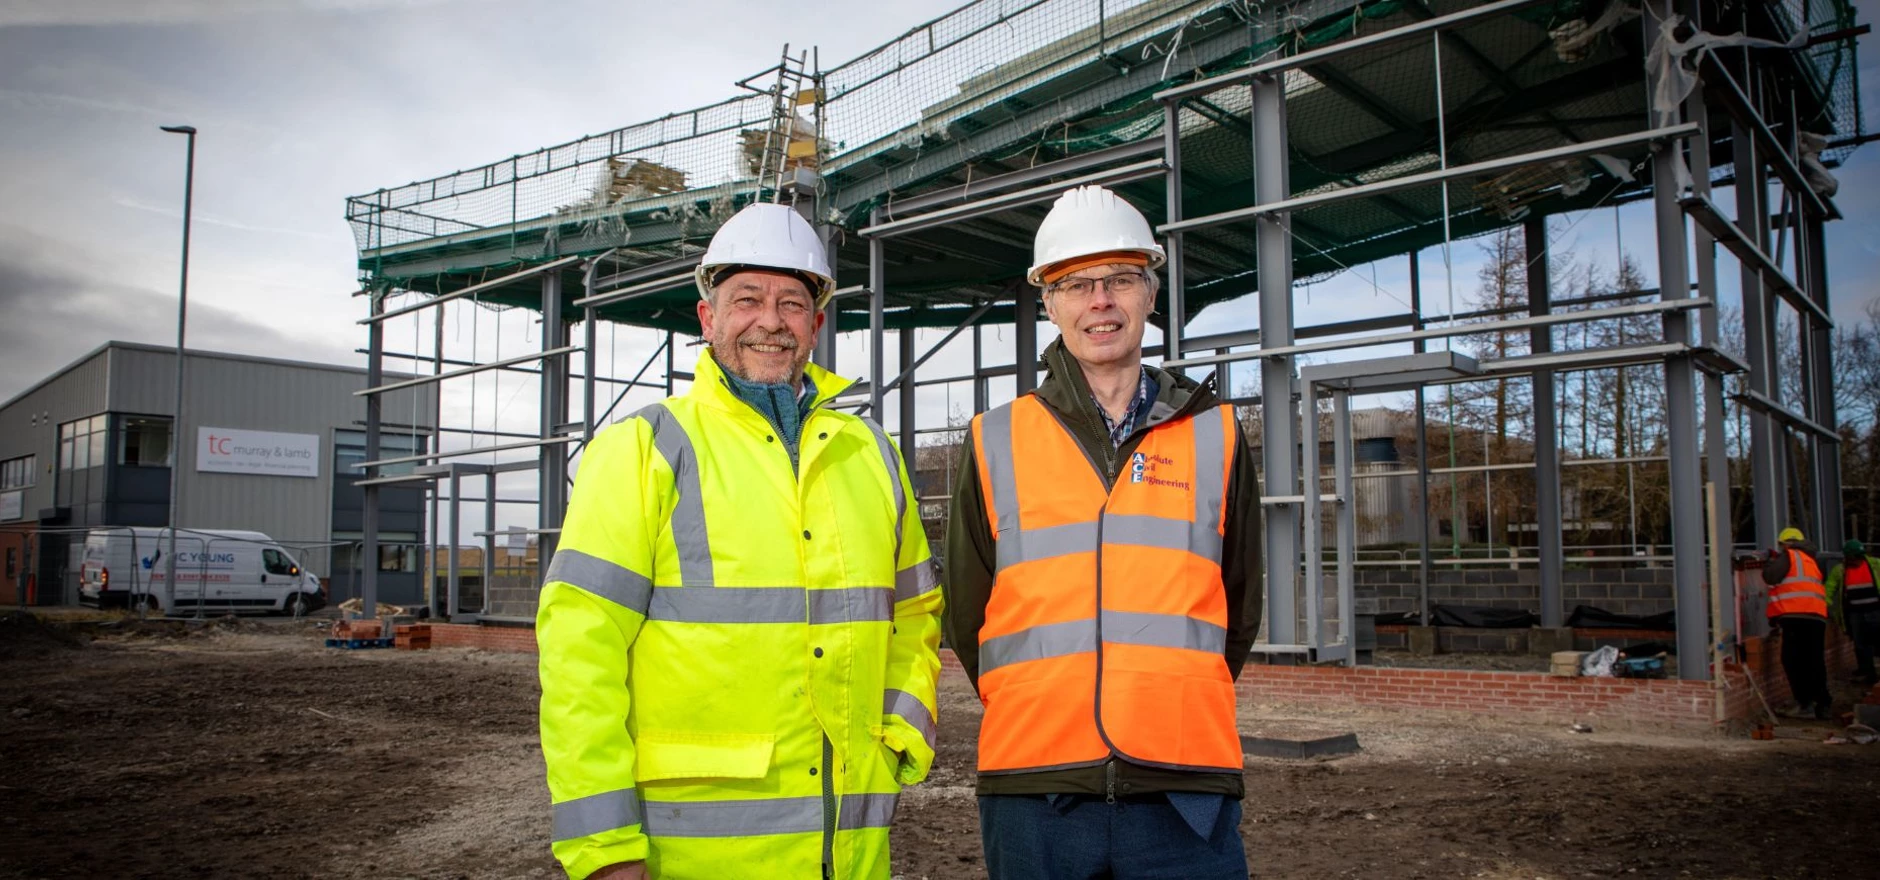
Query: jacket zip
[829, 808]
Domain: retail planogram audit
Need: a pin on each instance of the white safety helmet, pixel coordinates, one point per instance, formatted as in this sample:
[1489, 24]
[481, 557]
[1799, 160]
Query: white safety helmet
[768, 236]
[1088, 221]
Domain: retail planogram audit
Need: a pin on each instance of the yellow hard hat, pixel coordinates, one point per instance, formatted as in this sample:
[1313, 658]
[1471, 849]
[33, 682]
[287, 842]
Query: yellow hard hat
[1791, 534]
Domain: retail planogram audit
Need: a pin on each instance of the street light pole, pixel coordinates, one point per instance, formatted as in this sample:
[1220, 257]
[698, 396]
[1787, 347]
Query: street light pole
[176, 417]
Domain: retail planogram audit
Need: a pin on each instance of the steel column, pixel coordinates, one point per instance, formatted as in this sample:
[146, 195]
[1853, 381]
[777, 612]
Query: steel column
[1814, 262]
[907, 390]
[877, 320]
[1310, 506]
[1347, 517]
[1546, 431]
[552, 475]
[1176, 284]
[489, 543]
[1273, 247]
[1423, 455]
[1687, 490]
[1025, 339]
[437, 445]
[1716, 450]
[369, 510]
[1765, 481]
[453, 600]
[981, 389]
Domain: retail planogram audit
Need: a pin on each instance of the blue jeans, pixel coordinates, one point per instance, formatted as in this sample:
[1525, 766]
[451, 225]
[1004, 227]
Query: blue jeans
[1080, 837]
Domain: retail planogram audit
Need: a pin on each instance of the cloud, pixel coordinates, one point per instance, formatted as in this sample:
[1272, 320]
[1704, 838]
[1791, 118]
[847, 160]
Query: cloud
[176, 214]
[55, 311]
[18, 13]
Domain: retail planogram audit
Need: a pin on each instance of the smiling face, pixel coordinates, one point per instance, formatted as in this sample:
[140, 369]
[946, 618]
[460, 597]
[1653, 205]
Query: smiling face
[1102, 327]
[761, 325]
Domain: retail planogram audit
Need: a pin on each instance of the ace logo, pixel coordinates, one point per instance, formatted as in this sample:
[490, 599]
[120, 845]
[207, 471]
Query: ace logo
[1137, 464]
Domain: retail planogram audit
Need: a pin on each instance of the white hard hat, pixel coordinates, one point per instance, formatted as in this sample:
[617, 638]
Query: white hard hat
[768, 236]
[1087, 221]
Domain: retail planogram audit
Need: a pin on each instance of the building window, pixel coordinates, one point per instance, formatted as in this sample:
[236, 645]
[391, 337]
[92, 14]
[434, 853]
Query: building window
[349, 450]
[398, 557]
[19, 473]
[81, 444]
[13, 563]
[144, 441]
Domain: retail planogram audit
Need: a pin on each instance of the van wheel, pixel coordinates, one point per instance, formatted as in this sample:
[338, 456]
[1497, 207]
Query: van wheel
[297, 605]
[148, 605]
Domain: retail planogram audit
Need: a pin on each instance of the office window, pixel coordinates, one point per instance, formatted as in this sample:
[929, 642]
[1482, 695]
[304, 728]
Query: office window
[19, 473]
[81, 444]
[144, 441]
[349, 449]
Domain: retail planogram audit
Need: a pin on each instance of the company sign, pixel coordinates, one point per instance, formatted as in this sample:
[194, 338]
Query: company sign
[262, 453]
[12, 505]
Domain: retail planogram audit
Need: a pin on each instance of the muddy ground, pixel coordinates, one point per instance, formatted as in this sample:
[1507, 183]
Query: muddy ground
[250, 750]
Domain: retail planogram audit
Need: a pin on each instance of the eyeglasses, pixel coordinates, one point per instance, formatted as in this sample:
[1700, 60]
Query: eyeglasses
[1118, 285]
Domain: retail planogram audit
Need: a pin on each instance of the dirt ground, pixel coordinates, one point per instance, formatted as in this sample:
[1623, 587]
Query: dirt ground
[250, 750]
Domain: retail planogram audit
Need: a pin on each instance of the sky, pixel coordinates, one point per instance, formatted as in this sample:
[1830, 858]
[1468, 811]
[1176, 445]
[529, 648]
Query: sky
[301, 103]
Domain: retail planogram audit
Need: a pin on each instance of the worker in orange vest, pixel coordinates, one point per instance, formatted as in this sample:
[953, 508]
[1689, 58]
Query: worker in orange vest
[1854, 601]
[1103, 581]
[1798, 611]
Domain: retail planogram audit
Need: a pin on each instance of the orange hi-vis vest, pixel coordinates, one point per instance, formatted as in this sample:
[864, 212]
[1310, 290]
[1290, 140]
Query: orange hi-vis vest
[1857, 579]
[1802, 592]
[1107, 623]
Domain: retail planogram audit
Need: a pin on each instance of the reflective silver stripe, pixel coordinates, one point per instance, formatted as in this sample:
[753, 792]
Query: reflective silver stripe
[617, 584]
[1210, 484]
[995, 434]
[891, 461]
[1142, 530]
[1801, 579]
[909, 708]
[1163, 631]
[1037, 643]
[741, 818]
[1798, 594]
[688, 515]
[771, 605]
[1030, 545]
[1864, 600]
[596, 813]
[915, 581]
[866, 811]
[851, 605]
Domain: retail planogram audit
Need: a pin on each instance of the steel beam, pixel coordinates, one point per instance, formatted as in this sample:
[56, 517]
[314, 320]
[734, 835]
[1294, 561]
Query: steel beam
[1327, 53]
[440, 299]
[995, 204]
[376, 390]
[1023, 177]
[1485, 168]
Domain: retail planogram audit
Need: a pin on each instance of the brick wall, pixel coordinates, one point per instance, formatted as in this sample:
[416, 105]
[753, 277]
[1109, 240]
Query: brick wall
[1624, 590]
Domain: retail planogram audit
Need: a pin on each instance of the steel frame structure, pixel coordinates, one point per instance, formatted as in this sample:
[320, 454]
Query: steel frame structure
[1721, 109]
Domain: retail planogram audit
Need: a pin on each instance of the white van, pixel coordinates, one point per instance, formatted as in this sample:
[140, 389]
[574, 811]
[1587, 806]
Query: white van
[216, 570]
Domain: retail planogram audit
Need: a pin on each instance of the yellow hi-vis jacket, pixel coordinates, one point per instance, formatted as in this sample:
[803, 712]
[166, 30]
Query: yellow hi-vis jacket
[738, 662]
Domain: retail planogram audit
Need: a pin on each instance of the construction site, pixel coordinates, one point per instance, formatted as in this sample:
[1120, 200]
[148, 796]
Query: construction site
[1523, 307]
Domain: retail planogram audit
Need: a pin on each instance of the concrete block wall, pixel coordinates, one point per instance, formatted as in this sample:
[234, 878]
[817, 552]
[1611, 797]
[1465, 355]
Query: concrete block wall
[1624, 590]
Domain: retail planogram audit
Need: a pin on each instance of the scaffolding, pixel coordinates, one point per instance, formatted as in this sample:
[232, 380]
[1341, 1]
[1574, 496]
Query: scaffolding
[1273, 145]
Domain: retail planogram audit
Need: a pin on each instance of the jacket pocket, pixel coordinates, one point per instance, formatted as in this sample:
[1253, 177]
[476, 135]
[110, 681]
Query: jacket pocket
[672, 754]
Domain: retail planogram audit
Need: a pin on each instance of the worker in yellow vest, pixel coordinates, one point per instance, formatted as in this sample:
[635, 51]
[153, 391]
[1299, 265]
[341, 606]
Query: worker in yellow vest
[1798, 611]
[1103, 577]
[739, 631]
[1854, 601]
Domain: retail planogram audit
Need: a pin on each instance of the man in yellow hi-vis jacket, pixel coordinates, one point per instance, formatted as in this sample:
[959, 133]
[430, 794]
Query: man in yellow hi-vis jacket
[739, 631]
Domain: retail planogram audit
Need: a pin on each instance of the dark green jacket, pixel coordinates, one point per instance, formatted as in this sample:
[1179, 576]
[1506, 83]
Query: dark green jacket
[971, 554]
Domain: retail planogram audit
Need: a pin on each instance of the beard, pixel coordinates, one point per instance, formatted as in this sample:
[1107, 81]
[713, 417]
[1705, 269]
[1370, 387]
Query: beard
[736, 359]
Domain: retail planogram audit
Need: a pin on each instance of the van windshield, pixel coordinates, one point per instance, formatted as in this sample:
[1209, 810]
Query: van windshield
[276, 562]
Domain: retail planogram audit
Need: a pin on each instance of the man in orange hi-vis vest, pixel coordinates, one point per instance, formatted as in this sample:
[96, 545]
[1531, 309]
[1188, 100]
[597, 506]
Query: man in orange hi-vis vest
[1103, 581]
[1798, 610]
